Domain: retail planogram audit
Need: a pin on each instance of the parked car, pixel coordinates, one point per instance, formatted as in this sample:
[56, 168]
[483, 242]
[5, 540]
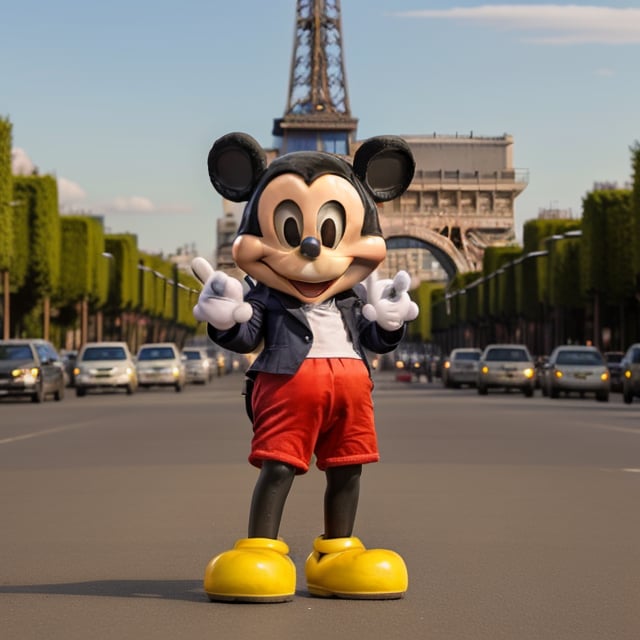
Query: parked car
[197, 364]
[461, 367]
[614, 364]
[160, 364]
[631, 373]
[31, 368]
[577, 369]
[506, 366]
[105, 365]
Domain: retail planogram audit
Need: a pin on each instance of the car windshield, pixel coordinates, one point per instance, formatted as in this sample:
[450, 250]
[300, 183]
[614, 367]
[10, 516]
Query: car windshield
[104, 353]
[192, 355]
[156, 353]
[15, 352]
[579, 357]
[505, 354]
[467, 355]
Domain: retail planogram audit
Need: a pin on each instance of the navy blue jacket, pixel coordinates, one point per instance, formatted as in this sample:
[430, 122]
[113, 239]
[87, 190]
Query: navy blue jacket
[279, 323]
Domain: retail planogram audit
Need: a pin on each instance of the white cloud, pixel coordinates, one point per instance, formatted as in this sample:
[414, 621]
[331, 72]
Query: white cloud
[70, 193]
[554, 23]
[72, 197]
[130, 204]
[21, 164]
[141, 205]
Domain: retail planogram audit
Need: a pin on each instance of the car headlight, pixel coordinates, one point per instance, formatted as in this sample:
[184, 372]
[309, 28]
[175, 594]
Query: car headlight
[484, 369]
[558, 374]
[627, 374]
[529, 373]
[25, 373]
[604, 376]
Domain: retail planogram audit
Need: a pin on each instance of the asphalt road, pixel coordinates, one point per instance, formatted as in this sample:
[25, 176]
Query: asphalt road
[518, 518]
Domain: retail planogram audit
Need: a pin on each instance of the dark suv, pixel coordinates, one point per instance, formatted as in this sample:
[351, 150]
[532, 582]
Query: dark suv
[30, 367]
[631, 373]
[614, 364]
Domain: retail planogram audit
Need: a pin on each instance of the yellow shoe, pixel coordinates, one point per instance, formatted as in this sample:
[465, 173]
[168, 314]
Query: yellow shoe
[255, 570]
[342, 567]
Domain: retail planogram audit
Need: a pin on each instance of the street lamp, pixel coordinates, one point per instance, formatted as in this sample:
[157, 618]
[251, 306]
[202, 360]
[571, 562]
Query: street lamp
[100, 328]
[558, 327]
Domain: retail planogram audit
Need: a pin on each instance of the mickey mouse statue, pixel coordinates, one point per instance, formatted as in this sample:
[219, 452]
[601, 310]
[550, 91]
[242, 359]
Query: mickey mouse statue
[309, 236]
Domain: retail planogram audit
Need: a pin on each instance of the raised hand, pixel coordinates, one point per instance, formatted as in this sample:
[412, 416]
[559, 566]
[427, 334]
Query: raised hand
[221, 302]
[388, 302]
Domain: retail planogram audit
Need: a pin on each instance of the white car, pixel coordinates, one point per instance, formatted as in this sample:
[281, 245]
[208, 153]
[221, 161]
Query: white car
[160, 364]
[461, 367]
[198, 365]
[104, 365]
[577, 369]
[506, 366]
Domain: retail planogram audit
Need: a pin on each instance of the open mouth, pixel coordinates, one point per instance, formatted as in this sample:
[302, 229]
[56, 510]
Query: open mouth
[311, 289]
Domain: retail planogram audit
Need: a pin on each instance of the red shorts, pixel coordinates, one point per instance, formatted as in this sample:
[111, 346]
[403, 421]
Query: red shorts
[324, 409]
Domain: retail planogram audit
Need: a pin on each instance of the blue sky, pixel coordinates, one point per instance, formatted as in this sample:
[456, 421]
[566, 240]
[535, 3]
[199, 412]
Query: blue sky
[121, 101]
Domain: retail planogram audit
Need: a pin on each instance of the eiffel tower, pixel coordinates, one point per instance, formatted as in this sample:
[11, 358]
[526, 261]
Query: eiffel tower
[462, 197]
[318, 116]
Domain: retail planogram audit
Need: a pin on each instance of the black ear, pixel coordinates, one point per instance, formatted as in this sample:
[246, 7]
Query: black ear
[385, 165]
[236, 162]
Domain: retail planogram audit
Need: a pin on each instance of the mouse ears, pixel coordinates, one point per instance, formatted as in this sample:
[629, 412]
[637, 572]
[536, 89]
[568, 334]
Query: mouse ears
[236, 163]
[385, 165]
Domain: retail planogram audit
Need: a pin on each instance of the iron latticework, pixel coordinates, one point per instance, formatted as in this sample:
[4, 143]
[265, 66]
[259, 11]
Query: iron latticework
[317, 82]
[318, 115]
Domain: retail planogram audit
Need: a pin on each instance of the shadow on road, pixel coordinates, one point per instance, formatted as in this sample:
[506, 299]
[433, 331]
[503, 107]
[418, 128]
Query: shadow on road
[185, 590]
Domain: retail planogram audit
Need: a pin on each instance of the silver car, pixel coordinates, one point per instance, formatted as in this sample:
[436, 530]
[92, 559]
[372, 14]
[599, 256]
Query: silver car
[32, 368]
[631, 373]
[160, 364]
[104, 365]
[198, 365]
[506, 366]
[577, 369]
[461, 367]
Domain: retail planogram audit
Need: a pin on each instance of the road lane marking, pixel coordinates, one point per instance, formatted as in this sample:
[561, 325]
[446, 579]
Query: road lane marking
[44, 432]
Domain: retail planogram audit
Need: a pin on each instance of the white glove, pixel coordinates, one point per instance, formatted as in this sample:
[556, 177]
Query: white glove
[388, 303]
[221, 301]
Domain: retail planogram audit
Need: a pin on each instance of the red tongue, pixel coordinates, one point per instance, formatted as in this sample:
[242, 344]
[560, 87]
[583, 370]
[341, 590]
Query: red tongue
[310, 289]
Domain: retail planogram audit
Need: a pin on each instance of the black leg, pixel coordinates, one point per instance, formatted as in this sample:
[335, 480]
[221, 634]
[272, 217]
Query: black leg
[269, 497]
[341, 500]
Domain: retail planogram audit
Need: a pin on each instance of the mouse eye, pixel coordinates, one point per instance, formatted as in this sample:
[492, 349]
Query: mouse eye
[331, 220]
[287, 220]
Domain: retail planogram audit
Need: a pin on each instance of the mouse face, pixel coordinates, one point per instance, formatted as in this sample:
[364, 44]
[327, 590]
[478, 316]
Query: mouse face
[311, 245]
[310, 228]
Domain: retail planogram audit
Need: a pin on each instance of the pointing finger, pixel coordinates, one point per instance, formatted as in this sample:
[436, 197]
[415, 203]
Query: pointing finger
[401, 282]
[201, 269]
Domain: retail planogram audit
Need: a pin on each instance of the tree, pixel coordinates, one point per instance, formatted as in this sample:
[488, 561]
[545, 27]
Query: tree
[635, 209]
[38, 200]
[6, 220]
[84, 271]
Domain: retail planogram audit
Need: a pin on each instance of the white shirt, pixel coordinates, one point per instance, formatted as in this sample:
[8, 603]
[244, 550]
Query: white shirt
[330, 335]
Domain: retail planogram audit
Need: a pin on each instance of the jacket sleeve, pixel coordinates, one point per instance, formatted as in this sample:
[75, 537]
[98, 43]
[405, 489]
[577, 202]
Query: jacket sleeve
[376, 339]
[371, 335]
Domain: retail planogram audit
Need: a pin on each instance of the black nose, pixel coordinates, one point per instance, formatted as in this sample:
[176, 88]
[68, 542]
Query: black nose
[310, 248]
